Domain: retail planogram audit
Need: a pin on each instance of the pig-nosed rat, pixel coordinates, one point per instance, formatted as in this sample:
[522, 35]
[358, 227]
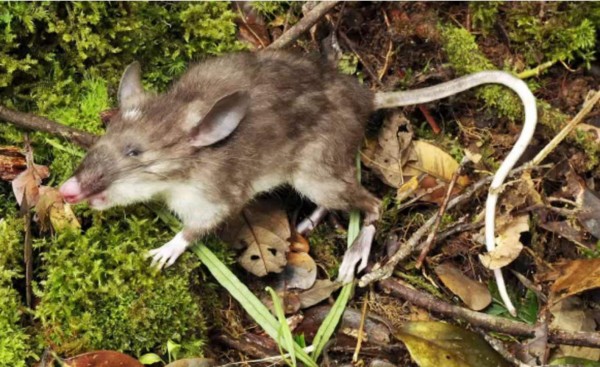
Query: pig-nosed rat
[238, 125]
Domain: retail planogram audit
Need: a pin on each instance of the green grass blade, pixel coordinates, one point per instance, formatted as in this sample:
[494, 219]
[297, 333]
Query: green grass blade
[255, 308]
[334, 316]
[284, 328]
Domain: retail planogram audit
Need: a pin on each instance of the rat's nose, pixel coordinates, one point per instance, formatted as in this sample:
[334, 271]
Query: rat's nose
[71, 190]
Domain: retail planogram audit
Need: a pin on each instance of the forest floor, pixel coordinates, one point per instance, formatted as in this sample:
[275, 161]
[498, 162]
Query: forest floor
[431, 165]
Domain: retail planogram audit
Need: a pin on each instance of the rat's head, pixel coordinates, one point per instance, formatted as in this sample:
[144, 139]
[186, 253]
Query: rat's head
[149, 143]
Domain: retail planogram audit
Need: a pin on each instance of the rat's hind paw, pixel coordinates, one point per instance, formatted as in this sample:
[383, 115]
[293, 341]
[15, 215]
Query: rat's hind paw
[359, 251]
[167, 254]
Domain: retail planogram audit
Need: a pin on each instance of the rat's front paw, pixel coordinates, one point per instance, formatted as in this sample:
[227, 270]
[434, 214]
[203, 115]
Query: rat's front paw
[167, 254]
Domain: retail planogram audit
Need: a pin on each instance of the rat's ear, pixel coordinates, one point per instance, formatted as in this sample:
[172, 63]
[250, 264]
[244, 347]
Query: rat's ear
[131, 90]
[221, 120]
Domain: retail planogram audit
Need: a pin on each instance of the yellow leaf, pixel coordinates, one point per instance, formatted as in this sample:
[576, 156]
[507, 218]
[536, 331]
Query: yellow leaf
[437, 344]
[433, 161]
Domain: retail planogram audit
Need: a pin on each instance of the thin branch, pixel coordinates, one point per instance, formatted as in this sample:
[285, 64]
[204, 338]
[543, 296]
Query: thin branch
[587, 107]
[484, 321]
[303, 25]
[364, 63]
[38, 123]
[430, 120]
[438, 220]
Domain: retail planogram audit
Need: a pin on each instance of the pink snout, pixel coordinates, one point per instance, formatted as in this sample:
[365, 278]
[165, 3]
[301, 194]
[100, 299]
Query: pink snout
[71, 191]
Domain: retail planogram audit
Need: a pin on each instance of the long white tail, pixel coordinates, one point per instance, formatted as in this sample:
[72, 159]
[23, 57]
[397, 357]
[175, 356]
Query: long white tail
[429, 94]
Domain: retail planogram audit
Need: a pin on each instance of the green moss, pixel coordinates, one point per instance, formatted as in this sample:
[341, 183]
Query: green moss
[323, 245]
[563, 32]
[99, 291]
[14, 341]
[15, 348]
[48, 43]
[466, 58]
[484, 14]
[271, 9]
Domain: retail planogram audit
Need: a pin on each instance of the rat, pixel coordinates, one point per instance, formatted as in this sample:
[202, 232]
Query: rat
[238, 125]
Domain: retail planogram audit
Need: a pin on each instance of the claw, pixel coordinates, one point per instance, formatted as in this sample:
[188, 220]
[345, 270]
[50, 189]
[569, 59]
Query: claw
[167, 254]
[358, 252]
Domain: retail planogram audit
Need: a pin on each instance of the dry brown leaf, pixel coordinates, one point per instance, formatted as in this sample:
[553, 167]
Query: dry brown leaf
[387, 155]
[566, 230]
[290, 301]
[574, 277]
[589, 216]
[251, 26]
[26, 184]
[263, 229]
[12, 162]
[52, 208]
[321, 290]
[376, 328]
[571, 315]
[473, 293]
[395, 158]
[520, 193]
[508, 246]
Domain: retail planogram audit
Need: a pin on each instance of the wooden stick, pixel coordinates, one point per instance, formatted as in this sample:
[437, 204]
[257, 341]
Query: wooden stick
[484, 321]
[303, 25]
[38, 123]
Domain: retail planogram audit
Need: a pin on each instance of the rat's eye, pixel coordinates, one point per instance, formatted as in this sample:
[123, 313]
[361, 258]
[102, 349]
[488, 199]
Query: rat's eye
[132, 152]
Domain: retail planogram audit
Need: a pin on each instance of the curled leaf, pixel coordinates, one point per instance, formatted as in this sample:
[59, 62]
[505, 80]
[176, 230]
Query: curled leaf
[52, 208]
[508, 245]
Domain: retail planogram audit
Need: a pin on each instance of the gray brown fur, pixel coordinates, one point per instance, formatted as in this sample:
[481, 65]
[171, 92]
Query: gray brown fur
[304, 127]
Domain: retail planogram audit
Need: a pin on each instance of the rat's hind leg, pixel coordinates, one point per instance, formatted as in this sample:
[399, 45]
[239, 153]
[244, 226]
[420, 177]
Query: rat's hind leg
[344, 193]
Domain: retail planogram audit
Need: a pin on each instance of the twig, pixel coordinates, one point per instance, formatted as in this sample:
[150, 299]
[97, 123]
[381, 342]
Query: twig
[248, 344]
[361, 329]
[535, 71]
[38, 123]
[430, 120]
[28, 241]
[460, 227]
[587, 107]
[438, 219]
[303, 25]
[484, 321]
[28, 255]
[382, 272]
[368, 69]
[388, 54]
[244, 20]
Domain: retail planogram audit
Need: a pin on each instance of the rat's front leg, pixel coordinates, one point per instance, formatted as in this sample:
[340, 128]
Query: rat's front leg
[167, 254]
